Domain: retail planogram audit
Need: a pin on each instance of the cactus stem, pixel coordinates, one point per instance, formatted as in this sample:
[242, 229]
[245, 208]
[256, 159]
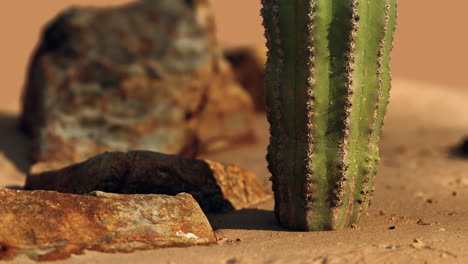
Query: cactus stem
[327, 90]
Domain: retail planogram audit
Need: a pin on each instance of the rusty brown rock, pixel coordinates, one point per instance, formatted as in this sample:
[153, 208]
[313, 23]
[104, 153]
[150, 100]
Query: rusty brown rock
[248, 64]
[49, 225]
[217, 187]
[147, 75]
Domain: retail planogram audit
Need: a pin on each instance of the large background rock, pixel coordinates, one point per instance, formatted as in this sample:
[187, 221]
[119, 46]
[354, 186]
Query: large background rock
[148, 75]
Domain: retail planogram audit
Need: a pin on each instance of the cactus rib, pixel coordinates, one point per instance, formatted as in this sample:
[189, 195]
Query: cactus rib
[384, 96]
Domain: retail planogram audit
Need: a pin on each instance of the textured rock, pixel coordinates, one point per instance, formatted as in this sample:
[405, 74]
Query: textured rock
[248, 64]
[215, 186]
[49, 225]
[148, 75]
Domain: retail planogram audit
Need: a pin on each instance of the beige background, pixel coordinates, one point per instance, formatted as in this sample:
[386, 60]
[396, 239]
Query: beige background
[430, 45]
[425, 120]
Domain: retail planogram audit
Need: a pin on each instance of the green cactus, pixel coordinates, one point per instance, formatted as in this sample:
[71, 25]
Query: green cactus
[328, 82]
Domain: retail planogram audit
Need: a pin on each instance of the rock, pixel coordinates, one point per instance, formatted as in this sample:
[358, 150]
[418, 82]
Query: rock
[248, 64]
[217, 187]
[147, 75]
[49, 225]
[461, 149]
[418, 244]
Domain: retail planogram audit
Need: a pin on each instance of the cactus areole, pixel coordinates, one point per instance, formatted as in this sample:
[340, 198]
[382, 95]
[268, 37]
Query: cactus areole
[328, 83]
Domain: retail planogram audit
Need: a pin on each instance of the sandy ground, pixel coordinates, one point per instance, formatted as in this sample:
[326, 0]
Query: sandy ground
[422, 192]
[417, 180]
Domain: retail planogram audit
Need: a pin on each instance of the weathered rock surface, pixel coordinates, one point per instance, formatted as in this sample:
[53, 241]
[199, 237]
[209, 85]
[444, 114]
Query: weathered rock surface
[49, 225]
[148, 75]
[248, 64]
[215, 186]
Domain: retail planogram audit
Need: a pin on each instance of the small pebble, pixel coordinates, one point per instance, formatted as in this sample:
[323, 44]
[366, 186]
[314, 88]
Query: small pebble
[422, 222]
[418, 243]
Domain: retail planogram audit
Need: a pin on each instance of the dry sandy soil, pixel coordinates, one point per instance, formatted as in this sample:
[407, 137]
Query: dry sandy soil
[418, 214]
[422, 191]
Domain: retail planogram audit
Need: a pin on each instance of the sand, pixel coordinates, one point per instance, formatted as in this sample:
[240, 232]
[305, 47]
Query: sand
[422, 191]
[418, 214]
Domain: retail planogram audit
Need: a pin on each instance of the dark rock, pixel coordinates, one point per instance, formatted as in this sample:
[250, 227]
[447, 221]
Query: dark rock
[248, 64]
[148, 75]
[49, 225]
[461, 150]
[215, 186]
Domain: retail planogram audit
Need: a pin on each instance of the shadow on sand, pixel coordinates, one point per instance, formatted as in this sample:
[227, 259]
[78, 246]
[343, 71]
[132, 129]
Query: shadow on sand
[247, 219]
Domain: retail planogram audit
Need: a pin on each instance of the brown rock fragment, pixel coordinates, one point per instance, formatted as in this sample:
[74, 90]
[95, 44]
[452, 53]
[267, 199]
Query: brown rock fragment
[239, 186]
[147, 75]
[215, 186]
[248, 64]
[49, 225]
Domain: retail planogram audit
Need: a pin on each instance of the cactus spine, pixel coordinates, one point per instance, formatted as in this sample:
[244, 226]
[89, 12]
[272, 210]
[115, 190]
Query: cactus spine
[328, 82]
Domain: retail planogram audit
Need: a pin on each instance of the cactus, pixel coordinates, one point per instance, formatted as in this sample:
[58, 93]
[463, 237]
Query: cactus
[328, 82]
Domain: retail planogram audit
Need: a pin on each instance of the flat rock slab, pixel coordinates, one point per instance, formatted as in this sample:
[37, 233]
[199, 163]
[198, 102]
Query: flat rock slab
[47, 225]
[217, 187]
[147, 75]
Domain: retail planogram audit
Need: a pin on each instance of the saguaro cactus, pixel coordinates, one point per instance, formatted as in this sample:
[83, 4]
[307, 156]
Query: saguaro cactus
[328, 82]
